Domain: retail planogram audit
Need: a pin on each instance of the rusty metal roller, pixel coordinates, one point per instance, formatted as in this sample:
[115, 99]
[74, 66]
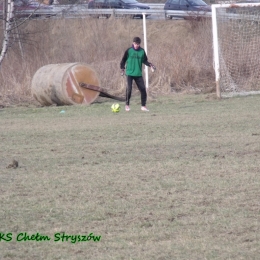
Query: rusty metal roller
[65, 84]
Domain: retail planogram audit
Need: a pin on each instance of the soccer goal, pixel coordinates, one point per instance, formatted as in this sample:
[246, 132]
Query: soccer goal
[236, 43]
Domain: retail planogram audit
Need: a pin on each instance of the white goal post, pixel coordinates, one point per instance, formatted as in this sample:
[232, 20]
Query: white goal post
[236, 45]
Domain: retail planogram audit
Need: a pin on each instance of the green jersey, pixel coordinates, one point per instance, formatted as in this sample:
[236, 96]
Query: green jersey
[134, 59]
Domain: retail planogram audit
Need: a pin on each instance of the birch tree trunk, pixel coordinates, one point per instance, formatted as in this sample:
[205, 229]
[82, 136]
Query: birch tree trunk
[8, 15]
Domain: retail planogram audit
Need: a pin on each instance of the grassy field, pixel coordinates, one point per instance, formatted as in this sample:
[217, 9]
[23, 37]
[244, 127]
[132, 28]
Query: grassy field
[179, 182]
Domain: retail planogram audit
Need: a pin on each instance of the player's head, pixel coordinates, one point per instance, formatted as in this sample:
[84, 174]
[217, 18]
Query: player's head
[136, 42]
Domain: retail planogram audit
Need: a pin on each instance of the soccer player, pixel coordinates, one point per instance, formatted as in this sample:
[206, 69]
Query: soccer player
[131, 65]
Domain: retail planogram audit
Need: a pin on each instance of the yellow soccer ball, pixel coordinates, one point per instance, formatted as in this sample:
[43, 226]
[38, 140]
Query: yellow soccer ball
[115, 108]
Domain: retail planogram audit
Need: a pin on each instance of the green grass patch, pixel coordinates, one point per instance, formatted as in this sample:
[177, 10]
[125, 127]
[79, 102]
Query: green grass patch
[179, 182]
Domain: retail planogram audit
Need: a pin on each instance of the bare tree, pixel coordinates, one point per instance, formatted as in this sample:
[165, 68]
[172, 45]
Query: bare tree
[8, 14]
[12, 22]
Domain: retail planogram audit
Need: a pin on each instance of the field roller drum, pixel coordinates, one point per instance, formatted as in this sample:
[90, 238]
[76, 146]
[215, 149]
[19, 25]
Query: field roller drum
[67, 84]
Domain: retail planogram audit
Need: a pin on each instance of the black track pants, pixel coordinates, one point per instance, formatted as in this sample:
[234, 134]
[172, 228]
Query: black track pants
[140, 84]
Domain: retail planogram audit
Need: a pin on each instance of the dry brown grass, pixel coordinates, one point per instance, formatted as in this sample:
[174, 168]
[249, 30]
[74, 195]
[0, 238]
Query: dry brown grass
[181, 51]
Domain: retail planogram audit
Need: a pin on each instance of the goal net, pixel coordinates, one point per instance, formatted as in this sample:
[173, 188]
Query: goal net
[236, 43]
